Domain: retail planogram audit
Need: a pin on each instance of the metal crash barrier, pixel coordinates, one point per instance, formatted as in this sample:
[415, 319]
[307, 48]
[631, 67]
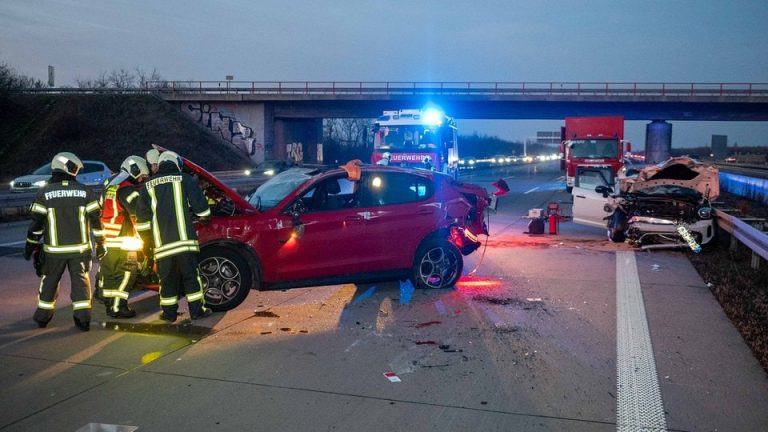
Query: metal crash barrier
[752, 237]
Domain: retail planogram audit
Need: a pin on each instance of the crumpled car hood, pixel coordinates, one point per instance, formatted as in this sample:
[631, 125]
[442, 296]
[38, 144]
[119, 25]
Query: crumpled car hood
[675, 173]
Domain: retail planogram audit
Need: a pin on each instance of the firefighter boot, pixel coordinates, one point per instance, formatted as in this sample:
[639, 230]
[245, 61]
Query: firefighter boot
[118, 308]
[41, 318]
[82, 325]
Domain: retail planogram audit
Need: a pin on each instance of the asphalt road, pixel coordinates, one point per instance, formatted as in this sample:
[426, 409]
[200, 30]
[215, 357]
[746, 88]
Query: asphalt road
[544, 332]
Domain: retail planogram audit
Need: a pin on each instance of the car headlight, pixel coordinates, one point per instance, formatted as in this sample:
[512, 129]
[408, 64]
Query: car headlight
[705, 212]
[40, 183]
[12, 183]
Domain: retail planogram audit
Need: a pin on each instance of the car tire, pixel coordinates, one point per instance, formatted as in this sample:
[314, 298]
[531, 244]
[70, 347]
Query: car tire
[226, 276]
[617, 226]
[438, 264]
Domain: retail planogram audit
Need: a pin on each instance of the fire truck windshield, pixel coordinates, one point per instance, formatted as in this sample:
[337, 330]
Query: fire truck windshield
[407, 138]
[594, 149]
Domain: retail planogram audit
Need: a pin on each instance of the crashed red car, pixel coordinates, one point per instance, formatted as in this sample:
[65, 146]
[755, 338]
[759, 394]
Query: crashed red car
[353, 224]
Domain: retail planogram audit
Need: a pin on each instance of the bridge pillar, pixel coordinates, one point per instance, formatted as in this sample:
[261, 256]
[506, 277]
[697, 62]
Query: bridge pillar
[246, 126]
[658, 141]
[297, 140]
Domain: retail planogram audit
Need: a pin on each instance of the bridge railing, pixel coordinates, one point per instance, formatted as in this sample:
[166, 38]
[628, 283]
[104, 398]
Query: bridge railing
[462, 88]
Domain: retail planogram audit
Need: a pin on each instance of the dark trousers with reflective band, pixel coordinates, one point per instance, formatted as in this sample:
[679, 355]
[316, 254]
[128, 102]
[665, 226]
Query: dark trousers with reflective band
[118, 271]
[179, 275]
[53, 268]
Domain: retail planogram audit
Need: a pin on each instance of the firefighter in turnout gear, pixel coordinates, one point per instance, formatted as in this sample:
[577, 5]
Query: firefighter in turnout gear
[166, 207]
[119, 268]
[64, 215]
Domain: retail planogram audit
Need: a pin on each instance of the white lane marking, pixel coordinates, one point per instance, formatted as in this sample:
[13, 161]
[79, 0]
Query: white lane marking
[16, 243]
[638, 402]
[529, 191]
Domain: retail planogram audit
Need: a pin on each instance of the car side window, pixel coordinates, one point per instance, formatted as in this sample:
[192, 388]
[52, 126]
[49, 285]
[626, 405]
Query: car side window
[331, 194]
[388, 188]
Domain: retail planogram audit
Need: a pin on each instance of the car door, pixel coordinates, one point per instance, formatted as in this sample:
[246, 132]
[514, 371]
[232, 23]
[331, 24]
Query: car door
[400, 211]
[331, 240]
[588, 204]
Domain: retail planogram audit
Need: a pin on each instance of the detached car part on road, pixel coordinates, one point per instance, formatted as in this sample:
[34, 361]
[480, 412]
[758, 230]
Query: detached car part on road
[661, 206]
[352, 224]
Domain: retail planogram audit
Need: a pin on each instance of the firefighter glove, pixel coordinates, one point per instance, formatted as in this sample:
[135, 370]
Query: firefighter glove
[29, 249]
[101, 251]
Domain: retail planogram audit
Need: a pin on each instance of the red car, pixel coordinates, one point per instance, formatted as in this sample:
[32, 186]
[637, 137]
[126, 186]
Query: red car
[353, 224]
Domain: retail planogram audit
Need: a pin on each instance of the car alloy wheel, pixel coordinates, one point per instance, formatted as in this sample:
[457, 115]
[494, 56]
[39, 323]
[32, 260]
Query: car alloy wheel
[438, 264]
[226, 278]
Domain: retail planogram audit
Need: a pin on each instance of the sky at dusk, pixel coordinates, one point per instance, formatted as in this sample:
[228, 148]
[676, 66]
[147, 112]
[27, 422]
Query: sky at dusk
[681, 41]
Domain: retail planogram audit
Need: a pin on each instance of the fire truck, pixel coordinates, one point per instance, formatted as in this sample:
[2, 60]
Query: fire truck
[591, 141]
[416, 138]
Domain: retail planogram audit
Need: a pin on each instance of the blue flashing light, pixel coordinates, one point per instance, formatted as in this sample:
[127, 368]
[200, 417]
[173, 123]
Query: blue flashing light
[433, 117]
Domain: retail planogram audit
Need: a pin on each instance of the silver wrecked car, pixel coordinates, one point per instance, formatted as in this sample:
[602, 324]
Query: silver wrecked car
[660, 206]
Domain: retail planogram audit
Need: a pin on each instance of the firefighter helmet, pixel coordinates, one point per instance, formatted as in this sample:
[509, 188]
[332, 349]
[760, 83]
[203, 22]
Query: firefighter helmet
[152, 156]
[67, 162]
[135, 166]
[169, 156]
[387, 156]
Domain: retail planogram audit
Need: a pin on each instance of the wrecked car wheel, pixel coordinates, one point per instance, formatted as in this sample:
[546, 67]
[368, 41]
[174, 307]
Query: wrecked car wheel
[438, 264]
[617, 225]
[226, 278]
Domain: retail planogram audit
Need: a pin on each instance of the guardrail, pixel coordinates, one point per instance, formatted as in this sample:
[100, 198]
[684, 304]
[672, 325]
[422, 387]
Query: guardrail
[477, 88]
[755, 239]
[463, 88]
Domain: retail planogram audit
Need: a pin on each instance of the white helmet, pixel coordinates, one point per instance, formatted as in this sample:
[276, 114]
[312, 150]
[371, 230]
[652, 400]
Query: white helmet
[152, 156]
[169, 156]
[387, 155]
[67, 162]
[135, 166]
[427, 160]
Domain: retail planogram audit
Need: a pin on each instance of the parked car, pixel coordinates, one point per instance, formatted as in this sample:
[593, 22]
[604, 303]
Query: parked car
[93, 174]
[317, 226]
[664, 205]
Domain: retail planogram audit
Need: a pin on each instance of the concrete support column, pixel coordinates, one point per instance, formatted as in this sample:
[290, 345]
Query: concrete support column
[245, 126]
[298, 139]
[658, 141]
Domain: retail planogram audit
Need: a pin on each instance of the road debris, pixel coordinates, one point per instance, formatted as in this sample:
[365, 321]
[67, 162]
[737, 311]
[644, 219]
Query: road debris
[392, 377]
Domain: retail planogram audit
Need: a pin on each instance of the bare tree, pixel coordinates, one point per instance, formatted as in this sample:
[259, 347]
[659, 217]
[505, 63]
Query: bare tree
[12, 80]
[121, 79]
[348, 131]
[144, 77]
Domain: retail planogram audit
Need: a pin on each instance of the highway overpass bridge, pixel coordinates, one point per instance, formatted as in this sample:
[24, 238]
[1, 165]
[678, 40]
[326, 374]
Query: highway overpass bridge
[263, 117]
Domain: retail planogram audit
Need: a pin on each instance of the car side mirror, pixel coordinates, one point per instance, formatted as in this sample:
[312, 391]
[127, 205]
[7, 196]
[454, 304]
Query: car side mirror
[604, 190]
[298, 226]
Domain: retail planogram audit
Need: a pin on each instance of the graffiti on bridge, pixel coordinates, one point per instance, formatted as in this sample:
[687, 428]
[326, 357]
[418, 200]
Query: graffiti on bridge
[227, 126]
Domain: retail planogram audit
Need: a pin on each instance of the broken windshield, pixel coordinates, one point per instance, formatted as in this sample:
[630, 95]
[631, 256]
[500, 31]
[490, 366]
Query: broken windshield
[278, 187]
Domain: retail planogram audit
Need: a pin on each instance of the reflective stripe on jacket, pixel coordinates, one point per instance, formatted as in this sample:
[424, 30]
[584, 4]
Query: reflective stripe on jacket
[166, 206]
[64, 214]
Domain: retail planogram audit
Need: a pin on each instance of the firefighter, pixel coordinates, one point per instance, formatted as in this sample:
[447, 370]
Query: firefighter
[119, 268]
[385, 158]
[166, 207]
[152, 156]
[64, 215]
